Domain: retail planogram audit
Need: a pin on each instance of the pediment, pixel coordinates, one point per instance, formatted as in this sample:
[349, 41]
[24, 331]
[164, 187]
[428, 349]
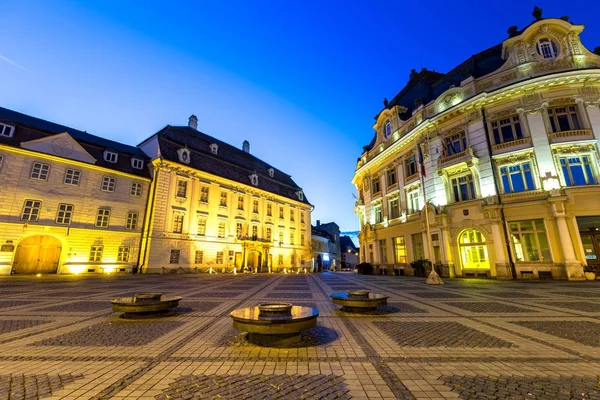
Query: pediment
[61, 145]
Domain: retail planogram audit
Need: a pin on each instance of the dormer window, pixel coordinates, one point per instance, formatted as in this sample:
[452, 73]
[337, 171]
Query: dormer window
[271, 172]
[254, 179]
[300, 195]
[137, 163]
[214, 148]
[110, 156]
[388, 129]
[547, 49]
[184, 155]
[6, 130]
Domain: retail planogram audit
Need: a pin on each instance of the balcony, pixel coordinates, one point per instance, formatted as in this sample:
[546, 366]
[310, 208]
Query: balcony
[513, 145]
[570, 136]
[466, 156]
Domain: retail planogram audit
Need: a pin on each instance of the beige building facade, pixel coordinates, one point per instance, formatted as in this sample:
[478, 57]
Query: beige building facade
[503, 150]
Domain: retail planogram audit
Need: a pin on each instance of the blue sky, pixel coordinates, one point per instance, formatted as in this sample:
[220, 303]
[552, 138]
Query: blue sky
[301, 81]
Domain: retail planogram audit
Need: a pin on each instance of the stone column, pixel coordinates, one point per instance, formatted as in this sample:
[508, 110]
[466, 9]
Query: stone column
[572, 267]
[447, 252]
[503, 271]
[593, 114]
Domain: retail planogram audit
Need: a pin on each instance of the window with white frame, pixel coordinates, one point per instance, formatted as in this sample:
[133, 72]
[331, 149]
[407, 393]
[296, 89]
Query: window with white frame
[137, 163]
[507, 129]
[378, 214]
[388, 129]
[410, 166]
[463, 188]
[64, 213]
[123, 253]
[31, 210]
[136, 189]
[269, 210]
[201, 225]
[219, 259]
[578, 170]
[292, 238]
[72, 177]
[455, 143]
[391, 176]
[178, 222]
[240, 203]
[221, 229]
[108, 184]
[96, 253]
[174, 257]
[255, 206]
[292, 217]
[40, 171]
[6, 130]
[254, 232]
[281, 237]
[547, 48]
[102, 218]
[517, 178]
[394, 208]
[529, 241]
[110, 156]
[239, 228]
[223, 202]
[199, 257]
[281, 212]
[413, 200]
[204, 194]
[131, 220]
[269, 234]
[564, 119]
[302, 217]
[181, 188]
[399, 250]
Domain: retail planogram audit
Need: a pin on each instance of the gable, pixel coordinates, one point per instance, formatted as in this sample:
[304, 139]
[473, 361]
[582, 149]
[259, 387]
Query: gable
[61, 145]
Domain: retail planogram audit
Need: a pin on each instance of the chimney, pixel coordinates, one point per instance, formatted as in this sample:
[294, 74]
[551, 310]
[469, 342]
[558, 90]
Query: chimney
[193, 122]
[318, 223]
[246, 146]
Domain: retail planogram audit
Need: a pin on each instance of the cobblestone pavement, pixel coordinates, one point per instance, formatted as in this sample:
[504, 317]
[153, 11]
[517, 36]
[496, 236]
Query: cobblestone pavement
[471, 339]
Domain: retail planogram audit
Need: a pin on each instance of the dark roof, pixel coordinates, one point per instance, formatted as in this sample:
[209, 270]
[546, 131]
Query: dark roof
[347, 243]
[229, 162]
[319, 232]
[31, 128]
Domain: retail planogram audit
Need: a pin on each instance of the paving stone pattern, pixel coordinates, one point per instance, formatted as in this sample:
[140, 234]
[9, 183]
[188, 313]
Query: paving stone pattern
[15, 325]
[81, 306]
[573, 305]
[437, 295]
[487, 307]
[15, 386]
[584, 332]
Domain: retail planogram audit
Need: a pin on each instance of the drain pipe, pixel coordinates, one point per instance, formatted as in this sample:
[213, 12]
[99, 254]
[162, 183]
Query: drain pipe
[513, 271]
[148, 221]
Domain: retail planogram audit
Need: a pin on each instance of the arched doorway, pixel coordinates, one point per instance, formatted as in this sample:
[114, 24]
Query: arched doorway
[473, 250]
[37, 255]
[254, 259]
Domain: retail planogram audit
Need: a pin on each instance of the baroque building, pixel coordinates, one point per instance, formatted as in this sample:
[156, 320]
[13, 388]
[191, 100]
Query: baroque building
[71, 202]
[491, 169]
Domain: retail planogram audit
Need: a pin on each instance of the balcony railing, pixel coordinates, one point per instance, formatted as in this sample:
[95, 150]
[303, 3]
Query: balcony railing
[464, 156]
[569, 136]
[518, 144]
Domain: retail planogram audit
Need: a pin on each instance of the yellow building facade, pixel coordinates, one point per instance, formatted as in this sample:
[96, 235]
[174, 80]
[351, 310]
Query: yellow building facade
[508, 144]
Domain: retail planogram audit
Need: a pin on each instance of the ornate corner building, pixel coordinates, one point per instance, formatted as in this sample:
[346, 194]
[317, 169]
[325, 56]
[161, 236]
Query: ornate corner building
[508, 144]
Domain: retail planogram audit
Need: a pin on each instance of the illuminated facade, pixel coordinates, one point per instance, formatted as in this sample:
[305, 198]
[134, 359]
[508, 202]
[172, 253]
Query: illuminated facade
[509, 144]
[70, 202]
[215, 206]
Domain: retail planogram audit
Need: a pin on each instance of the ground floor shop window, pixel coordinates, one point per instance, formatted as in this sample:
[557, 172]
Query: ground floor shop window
[529, 240]
[399, 250]
[473, 250]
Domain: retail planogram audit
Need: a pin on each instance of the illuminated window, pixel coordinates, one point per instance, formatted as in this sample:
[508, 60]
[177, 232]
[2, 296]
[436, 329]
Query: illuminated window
[177, 222]
[96, 253]
[199, 257]
[388, 128]
[394, 208]
[383, 251]
[240, 202]
[221, 229]
[174, 257]
[281, 212]
[280, 237]
[418, 249]
[63, 216]
[31, 210]
[223, 202]
[547, 49]
[131, 221]
[204, 194]
[507, 129]
[110, 156]
[578, 170]
[72, 177]
[410, 166]
[302, 239]
[239, 229]
[391, 176]
[102, 218]
[517, 178]
[219, 259]
[108, 184]
[292, 216]
[280, 260]
[201, 225]
[376, 184]
[302, 217]
[255, 206]
[564, 119]
[136, 189]
[378, 213]
[181, 188]
[269, 210]
[123, 254]
[529, 241]
[292, 238]
[254, 232]
[6, 130]
[40, 171]
[413, 200]
[268, 234]
[399, 250]
[137, 163]
[455, 144]
[463, 188]
[473, 251]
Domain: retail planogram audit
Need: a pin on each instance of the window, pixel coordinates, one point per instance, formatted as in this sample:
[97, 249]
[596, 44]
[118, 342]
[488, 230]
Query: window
[577, 170]
[280, 260]
[411, 166]
[507, 130]
[6, 130]
[174, 258]
[302, 239]
[240, 202]
[394, 209]
[123, 254]
[214, 148]
[271, 172]
[254, 232]
[72, 176]
[136, 189]
[529, 241]
[177, 222]
[376, 185]
[254, 179]
[281, 237]
[110, 156]
[383, 251]
[292, 216]
[563, 119]
[96, 253]
[199, 257]
[391, 176]
[413, 200]
[40, 171]
[239, 229]
[547, 49]
[219, 259]
[131, 221]
[63, 216]
[517, 178]
[204, 194]
[137, 163]
[269, 235]
[388, 129]
[255, 206]
[269, 209]
[201, 225]
[223, 202]
[31, 210]
[181, 188]
[473, 251]
[463, 188]
[108, 184]
[221, 230]
[455, 144]
[378, 213]
[292, 238]
[302, 217]
[399, 250]
[281, 212]
[418, 249]
[102, 218]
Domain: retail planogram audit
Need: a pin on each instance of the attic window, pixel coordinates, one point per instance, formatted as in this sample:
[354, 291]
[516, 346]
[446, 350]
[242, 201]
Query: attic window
[110, 156]
[254, 179]
[300, 195]
[547, 49]
[184, 155]
[6, 130]
[137, 163]
[271, 172]
[214, 148]
[388, 128]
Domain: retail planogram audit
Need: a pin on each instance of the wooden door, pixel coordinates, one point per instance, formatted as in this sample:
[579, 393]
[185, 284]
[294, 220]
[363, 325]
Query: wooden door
[37, 255]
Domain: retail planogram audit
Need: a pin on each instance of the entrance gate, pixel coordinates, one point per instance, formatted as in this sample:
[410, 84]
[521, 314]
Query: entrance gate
[37, 255]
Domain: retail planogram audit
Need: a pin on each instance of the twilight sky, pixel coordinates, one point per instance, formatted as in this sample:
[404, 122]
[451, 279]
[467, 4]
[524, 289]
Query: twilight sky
[301, 81]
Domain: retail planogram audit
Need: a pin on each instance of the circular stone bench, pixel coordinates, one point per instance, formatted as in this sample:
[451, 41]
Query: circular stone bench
[358, 300]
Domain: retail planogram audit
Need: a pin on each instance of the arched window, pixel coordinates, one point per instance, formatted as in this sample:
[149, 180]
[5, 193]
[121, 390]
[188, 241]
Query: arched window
[473, 251]
[547, 49]
[388, 128]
